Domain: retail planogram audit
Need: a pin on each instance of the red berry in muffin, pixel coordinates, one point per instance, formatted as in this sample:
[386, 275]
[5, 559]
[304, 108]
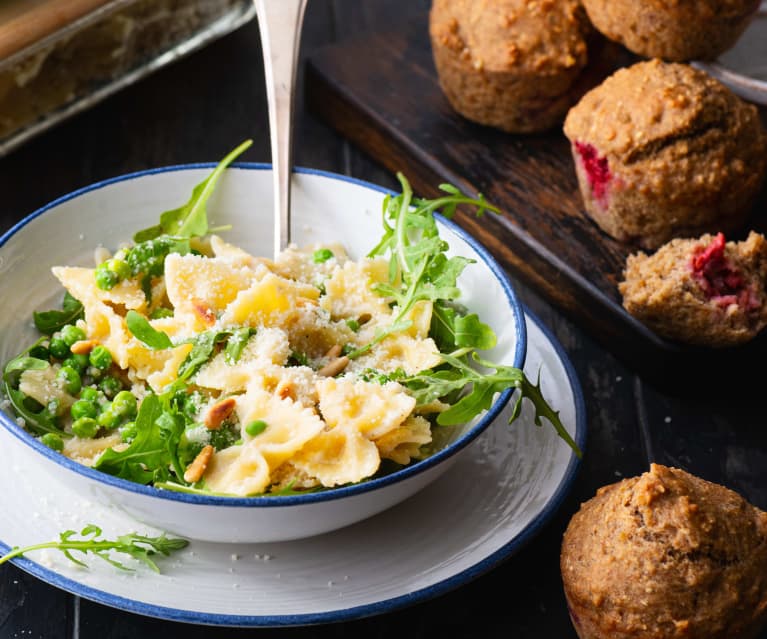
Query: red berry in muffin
[663, 150]
[705, 291]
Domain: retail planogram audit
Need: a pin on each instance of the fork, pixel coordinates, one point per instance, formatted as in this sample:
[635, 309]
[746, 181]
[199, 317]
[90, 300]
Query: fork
[280, 24]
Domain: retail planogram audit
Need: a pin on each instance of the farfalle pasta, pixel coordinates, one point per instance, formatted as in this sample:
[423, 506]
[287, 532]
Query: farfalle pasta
[184, 362]
[325, 428]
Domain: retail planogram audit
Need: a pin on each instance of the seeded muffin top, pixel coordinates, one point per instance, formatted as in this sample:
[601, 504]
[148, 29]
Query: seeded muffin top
[542, 37]
[639, 108]
[667, 554]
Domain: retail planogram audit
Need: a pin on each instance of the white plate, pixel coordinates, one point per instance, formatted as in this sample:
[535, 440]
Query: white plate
[744, 67]
[482, 510]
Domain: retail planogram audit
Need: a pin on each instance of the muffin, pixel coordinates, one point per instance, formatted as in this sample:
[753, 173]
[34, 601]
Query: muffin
[677, 31]
[510, 64]
[663, 150]
[704, 291]
[664, 555]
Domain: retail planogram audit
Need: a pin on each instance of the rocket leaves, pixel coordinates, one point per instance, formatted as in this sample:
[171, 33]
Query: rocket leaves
[142, 548]
[420, 269]
[191, 219]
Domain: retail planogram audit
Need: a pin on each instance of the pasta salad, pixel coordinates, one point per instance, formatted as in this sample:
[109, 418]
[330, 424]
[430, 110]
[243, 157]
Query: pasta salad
[184, 362]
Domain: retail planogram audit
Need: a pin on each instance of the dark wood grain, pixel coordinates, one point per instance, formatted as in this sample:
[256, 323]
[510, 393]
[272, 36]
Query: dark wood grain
[22, 611]
[380, 90]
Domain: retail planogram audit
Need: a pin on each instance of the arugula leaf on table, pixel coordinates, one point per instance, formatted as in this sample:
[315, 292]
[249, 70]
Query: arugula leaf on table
[48, 322]
[191, 219]
[143, 548]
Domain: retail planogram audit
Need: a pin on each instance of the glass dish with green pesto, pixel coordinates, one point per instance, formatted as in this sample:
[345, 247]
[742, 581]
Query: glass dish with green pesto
[183, 362]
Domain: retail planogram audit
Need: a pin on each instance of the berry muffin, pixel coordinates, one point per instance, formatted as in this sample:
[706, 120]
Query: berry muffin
[511, 64]
[705, 291]
[677, 31]
[663, 150]
[664, 555]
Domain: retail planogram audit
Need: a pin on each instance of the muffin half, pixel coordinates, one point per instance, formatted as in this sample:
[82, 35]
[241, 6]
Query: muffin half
[704, 291]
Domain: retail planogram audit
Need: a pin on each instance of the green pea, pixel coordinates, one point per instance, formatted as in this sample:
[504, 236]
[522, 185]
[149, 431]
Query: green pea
[322, 255]
[128, 432]
[71, 334]
[70, 380]
[85, 427]
[124, 404]
[59, 348]
[90, 394]
[40, 352]
[83, 408]
[353, 324]
[256, 427]
[53, 441]
[110, 386]
[108, 419]
[106, 279]
[100, 357]
[77, 361]
[120, 268]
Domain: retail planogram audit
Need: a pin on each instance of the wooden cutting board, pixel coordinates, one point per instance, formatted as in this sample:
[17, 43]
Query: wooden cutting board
[381, 91]
[24, 22]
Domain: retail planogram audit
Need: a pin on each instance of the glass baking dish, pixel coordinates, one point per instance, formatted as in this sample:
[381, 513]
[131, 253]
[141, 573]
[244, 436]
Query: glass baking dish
[98, 53]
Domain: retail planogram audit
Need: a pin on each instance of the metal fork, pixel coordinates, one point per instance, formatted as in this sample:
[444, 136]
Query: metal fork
[280, 24]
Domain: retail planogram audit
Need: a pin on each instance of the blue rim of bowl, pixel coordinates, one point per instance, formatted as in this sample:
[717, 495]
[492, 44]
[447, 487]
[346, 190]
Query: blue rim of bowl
[367, 610]
[520, 348]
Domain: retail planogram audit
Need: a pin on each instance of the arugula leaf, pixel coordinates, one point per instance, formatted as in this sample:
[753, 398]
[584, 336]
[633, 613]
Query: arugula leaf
[236, 343]
[451, 330]
[427, 386]
[48, 322]
[141, 547]
[171, 425]
[202, 351]
[203, 345]
[143, 331]
[38, 422]
[418, 267]
[191, 219]
[147, 452]
[380, 335]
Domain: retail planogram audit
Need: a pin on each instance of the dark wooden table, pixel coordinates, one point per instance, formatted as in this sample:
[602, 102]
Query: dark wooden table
[204, 105]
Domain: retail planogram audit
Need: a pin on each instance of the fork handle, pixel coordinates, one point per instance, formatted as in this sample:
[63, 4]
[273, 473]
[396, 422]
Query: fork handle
[280, 24]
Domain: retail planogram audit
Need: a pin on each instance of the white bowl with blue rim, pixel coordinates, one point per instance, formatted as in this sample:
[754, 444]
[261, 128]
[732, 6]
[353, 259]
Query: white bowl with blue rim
[325, 208]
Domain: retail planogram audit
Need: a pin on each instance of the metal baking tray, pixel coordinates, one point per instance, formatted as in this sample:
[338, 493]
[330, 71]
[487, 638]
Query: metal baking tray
[101, 52]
